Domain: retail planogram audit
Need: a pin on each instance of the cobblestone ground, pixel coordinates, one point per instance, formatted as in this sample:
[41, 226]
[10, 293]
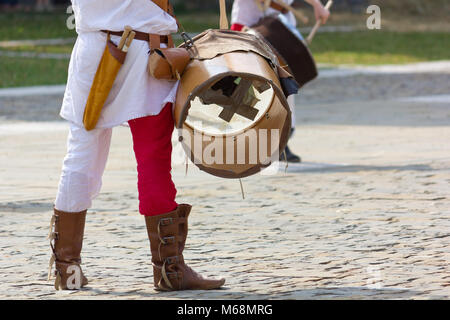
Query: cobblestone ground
[365, 216]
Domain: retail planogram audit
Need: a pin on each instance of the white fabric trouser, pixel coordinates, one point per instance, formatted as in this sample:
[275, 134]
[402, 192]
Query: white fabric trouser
[83, 167]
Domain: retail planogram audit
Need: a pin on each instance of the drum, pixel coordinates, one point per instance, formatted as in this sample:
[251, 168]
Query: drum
[292, 52]
[231, 113]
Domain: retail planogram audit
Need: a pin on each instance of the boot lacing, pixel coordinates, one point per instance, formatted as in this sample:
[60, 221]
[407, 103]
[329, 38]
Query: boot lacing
[52, 236]
[163, 269]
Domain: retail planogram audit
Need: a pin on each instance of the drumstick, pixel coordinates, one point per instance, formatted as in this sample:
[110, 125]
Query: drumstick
[124, 37]
[298, 14]
[318, 24]
[223, 15]
[128, 43]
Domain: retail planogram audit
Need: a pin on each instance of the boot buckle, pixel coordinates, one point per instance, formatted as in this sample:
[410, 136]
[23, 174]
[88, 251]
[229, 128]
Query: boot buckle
[165, 221]
[172, 260]
[168, 240]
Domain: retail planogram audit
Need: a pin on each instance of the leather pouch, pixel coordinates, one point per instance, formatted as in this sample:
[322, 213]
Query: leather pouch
[166, 63]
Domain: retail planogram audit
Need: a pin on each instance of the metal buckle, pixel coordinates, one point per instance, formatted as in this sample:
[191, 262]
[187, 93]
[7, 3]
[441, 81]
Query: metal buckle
[172, 260]
[166, 221]
[188, 42]
[166, 240]
[172, 275]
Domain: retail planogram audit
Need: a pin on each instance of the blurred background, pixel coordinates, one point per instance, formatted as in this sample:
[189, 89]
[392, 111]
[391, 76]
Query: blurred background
[412, 31]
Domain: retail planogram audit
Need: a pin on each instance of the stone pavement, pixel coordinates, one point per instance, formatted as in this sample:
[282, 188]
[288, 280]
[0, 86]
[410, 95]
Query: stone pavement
[366, 216]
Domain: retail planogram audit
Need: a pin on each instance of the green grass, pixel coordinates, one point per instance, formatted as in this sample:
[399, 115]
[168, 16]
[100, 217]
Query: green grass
[198, 22]
[380, 47]
[365, 47]
[67, 48]
[18, 72]
[28, 26]
[369, 47]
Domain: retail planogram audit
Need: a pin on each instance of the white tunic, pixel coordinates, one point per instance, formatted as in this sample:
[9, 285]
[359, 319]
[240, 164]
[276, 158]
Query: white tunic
[134, 94]
[248, 13]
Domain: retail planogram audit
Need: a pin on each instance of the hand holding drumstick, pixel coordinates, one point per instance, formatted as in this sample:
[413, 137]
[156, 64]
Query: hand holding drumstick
[322, 14]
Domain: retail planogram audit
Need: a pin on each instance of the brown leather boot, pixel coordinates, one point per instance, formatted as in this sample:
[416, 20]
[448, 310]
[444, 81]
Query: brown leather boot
[167, 234]
[67, 240]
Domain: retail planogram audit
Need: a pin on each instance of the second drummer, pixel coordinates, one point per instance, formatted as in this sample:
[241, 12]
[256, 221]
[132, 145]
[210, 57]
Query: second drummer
[248, 13]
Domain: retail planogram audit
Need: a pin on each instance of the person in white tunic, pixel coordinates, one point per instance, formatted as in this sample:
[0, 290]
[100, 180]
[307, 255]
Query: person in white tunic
[248, 13]
[145, 104]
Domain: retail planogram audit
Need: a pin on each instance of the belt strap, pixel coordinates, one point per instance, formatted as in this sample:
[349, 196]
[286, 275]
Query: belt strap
[139, 36]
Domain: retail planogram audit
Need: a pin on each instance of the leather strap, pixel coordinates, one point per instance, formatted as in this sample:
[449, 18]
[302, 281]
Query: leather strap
[278, 7]
[154, 41]
[139, 36]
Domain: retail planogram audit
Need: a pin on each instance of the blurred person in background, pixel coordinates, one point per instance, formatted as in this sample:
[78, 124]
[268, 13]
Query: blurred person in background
[26, 5]
[8, 5]
[248, 13]
[44, 5]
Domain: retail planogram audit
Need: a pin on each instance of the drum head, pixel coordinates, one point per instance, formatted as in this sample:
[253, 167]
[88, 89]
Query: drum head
[212, 112]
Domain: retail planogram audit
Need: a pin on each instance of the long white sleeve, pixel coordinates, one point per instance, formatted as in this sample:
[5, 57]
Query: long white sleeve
[141, 15]
[246, 12]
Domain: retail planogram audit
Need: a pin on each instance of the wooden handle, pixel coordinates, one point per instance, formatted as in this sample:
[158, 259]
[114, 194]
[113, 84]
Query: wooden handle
[318, 24]
[129, 40]
[297, 13]
[223, 15]
[125, 34]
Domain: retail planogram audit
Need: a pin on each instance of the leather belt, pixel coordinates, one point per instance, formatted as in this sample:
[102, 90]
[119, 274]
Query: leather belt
[139, 35]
